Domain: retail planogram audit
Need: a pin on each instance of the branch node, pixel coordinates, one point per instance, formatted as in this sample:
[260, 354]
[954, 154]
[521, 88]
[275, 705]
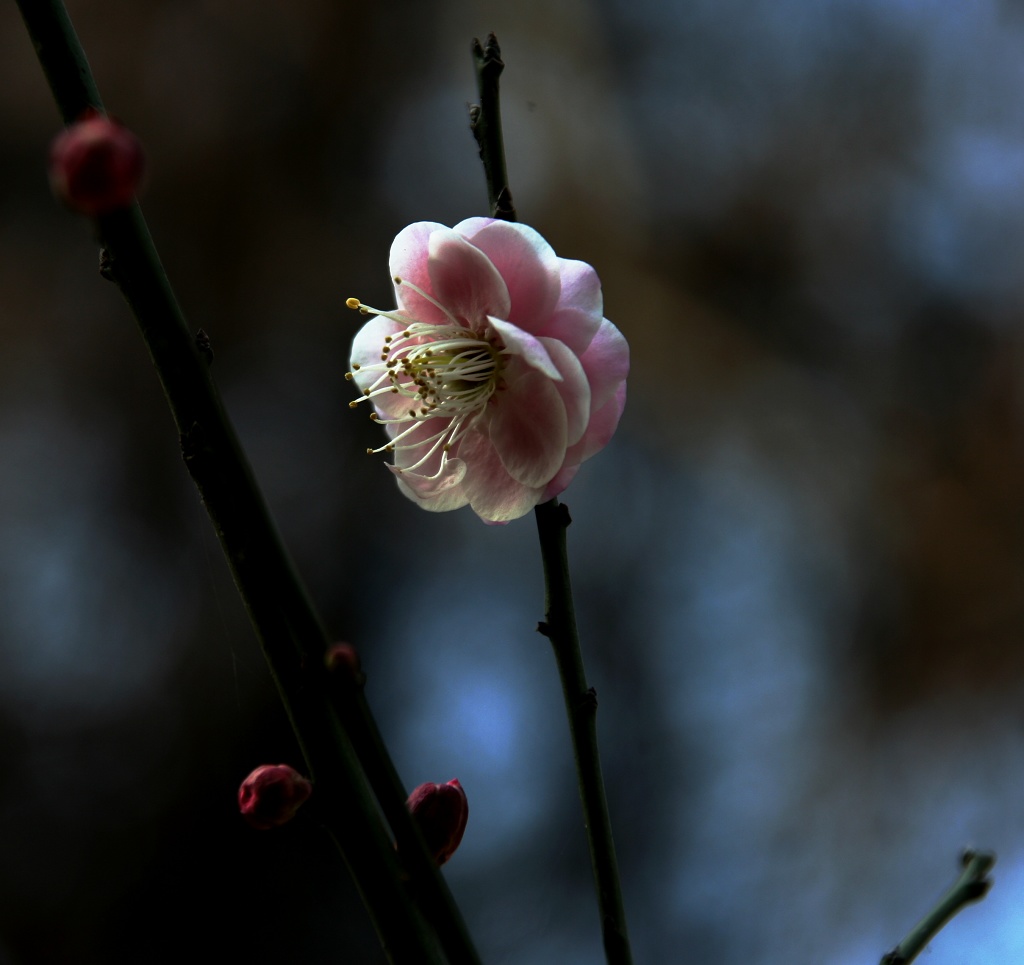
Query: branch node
[504, 209]
[106, 264]
[204, 346]
[564, 519]
[543, 629]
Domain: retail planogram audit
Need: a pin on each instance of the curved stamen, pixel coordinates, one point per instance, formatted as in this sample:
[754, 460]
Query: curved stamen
[446, 371]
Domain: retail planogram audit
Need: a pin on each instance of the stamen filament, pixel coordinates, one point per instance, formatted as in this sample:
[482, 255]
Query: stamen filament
[443, 371]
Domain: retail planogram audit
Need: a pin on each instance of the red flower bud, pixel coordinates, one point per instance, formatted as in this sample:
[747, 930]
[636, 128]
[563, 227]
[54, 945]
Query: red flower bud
[344, 658]
[95, 165]
[270, 795]
[441, 811]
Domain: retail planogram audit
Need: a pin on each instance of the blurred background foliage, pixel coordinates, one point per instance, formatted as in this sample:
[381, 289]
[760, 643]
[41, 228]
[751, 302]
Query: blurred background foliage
[799, 564]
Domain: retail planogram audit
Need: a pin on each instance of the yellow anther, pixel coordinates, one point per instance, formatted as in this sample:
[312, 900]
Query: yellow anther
[352, 303]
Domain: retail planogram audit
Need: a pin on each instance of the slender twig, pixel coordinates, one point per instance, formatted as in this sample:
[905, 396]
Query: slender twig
[429, 887]
[972, 885]
[485, 123]
[581, 706]
[289, 629]
[552, 521]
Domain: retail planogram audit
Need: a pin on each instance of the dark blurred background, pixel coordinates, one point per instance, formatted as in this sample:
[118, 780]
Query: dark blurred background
[799, 565]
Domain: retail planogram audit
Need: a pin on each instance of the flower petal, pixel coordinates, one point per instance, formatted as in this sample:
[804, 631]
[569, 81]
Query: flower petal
[561, 481]
[439, 496]
[600, 429]
[526, 262]
[599, 433]
[528, 429]
[409, 260]
[577, 316]
[464, 280]
[471, 226]
[606, 362]
[523, 344]
[427, 484]
[494, 495]
[573, 387]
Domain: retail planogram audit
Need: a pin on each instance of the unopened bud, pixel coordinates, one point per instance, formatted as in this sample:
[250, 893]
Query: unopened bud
[344, 658]
[270, 795]
[95, 165]
[441, 812]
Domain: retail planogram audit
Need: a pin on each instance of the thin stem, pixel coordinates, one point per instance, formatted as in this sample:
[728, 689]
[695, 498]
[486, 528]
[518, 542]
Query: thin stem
[581, 707]
[429, 886]
[972, 885]
[485, 123]
[552, 521]
[290, 631]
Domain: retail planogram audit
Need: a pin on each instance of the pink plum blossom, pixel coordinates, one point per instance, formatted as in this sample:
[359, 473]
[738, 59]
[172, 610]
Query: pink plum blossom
[497, 375]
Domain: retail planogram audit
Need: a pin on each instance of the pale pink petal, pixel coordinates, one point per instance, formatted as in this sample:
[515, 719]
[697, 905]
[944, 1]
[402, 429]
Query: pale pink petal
[494, 495]
[577, 316]
[606, 362]
[409, 260]
[581, 288]
[471, 226]
[464, 280]
[573, 327]
[600, 430]
[439, 496]
[528, 429]
[427, 484]
[559, 483]
[573, 387]
[530, 268]
[525, 346]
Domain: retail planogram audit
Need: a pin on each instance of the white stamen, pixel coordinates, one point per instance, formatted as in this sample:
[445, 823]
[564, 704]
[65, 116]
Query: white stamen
[446, 371]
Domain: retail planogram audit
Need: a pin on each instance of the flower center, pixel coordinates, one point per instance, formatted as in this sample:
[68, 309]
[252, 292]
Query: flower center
[446, 371]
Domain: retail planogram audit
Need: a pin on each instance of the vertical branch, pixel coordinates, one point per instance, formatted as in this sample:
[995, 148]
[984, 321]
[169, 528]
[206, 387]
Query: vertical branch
[485, 123]
[552, 521]
[581, 707]
[336, 740]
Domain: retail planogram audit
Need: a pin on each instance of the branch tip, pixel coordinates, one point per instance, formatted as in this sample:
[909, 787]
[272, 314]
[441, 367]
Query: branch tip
[972, 885]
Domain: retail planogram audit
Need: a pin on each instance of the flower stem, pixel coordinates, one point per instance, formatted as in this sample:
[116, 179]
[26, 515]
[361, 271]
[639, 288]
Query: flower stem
[341, 744]
[552, 521]
[972, 885]
[485, 123]
[581, 707]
